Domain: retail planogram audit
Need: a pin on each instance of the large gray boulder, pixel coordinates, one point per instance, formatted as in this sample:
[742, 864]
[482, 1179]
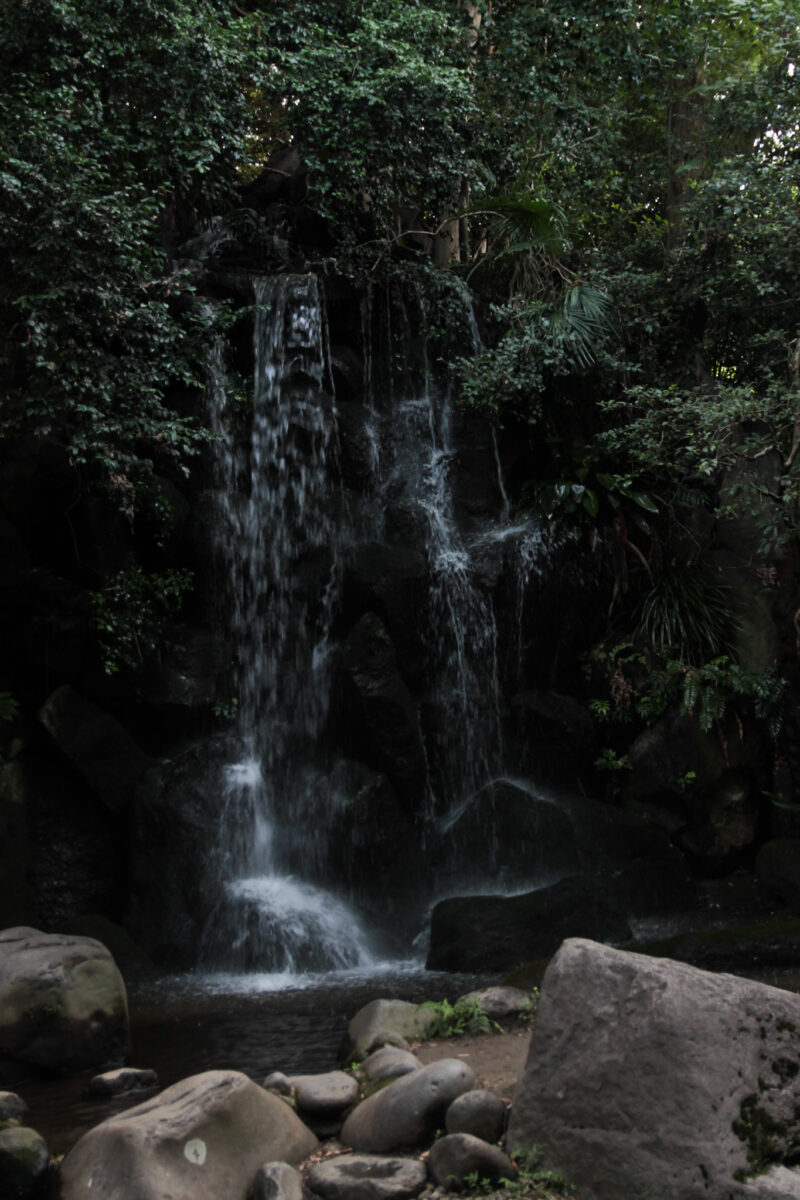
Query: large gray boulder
[408, 1111]
[202, 1139]
[648, 1078]
[498, 933]
[63, 1005]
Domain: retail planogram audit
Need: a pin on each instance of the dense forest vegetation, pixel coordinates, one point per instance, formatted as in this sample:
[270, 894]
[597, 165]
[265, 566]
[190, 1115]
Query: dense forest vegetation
[617, 182]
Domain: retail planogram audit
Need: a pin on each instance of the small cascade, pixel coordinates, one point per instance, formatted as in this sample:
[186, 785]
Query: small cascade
[465, 742]
[278, 540]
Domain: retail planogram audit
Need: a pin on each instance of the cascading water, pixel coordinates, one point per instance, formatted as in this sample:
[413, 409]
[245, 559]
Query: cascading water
[278, 539]
[465, 746]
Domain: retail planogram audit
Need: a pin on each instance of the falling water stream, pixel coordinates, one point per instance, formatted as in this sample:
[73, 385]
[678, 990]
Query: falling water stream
[283, 532]
[275, 522]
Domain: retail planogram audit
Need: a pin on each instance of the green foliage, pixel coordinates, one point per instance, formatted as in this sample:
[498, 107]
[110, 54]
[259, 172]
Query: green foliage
[685, 614]
[9, 707]
[465, 1016]
[378, 96]
[132, 612]
[120, 123]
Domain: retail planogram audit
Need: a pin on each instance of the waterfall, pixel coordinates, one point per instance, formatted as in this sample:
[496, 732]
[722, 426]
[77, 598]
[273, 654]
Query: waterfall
[465, 740]
[278, 539]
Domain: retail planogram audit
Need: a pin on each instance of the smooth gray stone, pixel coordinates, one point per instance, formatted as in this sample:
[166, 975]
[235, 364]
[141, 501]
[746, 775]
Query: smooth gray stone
[277, 1181]
[647, 1078]
[63, 1005]
[382, 1022]
[278, 1082]
[202, 1139]
[324, 1095]
[409, 1110]
[477, 1112]
[500, 1001]
[12, 1107]
[390, 1063]
[458, 1155]
[368, 1177]
[121, 1082]
[24, 1158]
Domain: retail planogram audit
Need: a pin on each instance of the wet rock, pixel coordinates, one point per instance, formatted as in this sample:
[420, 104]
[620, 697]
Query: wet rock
[778, 869]
[386, 1038]
[322, 1100]
[63, 1005]
[649, 1078]
[391, 580]
[499, 1002]
[479, 1113]
[510, 837]
[409, 1110]
[368, 1177]
[389, 1063]
[497, 933]
[381, 706]
[121, 1082]
[175, 822]
[12, 1107]
[374, 843]
[201, 1139]
[277, 1181]
[380, 1018]
[72, 855]
[454, 1157]
[191, 666]
[97, 745]
[724, 824]
[24, 1159]
[278, 1082]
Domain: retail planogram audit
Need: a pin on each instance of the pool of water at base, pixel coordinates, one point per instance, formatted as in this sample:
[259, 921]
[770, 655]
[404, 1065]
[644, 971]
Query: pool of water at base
[182, 1025]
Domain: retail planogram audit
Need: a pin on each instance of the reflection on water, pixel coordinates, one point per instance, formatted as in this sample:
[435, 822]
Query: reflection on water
[250, 1023]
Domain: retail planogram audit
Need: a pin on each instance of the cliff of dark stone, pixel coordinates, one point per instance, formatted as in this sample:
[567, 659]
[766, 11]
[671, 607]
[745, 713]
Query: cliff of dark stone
[99, 803]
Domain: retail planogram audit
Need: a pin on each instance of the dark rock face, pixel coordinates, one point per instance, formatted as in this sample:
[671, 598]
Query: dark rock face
[392, 581]
[68, 845]
[173, 831]
[509, 837]
[96, 744]
[63, 1005]
[778, 869]
[648, 1078]
[407, 1111]
[497, 933]
[383, 708]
